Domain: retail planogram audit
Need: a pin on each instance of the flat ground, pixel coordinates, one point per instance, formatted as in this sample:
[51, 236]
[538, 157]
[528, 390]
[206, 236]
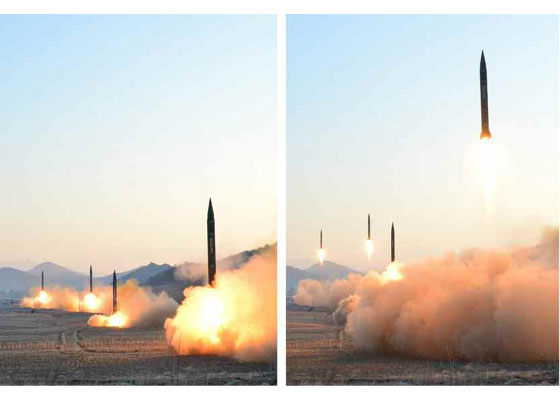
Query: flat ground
[50, 347]
[318, 353]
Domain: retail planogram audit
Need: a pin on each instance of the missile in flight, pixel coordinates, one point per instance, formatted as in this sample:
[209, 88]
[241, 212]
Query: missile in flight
[90, 280]
[42, 280]
[485, 134]
[211, 238]
[392, 242]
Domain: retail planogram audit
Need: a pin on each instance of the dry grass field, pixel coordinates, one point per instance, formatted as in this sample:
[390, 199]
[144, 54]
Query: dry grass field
[50, 347]
[319, 354]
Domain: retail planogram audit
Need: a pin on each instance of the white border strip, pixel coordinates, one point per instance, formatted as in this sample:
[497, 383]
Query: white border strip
[281, 192]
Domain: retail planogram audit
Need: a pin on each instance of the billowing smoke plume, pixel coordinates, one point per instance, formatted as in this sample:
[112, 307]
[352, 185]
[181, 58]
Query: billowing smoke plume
[137, 306]
[236, 317]
[325, 294]
[195, 272]
[478, 305]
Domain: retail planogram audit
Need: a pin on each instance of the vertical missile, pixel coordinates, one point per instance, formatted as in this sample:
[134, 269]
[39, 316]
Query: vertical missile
[114, 292]
[211, 238]
[90, 280]
[485, 134]
[392, 242]
[368, 228]
[321, 239]
[42, 281]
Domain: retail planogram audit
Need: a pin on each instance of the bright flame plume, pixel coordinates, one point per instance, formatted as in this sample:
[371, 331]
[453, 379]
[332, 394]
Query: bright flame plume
[137, 306]
[236, 317]
[369, 248]
[116, 320]
[321, 254]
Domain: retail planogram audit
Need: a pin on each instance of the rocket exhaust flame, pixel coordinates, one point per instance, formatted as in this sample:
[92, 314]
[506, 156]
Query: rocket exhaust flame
[369, 248]
[138, 306]
[369, 242]
[234, 317]
[321, 254]
[475, 305]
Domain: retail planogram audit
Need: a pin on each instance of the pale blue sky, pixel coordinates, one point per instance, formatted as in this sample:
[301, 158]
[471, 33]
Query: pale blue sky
[116, 130]
[384, 117]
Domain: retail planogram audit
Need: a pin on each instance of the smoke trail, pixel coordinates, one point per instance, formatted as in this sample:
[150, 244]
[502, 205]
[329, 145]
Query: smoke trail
[478, 305]
[138, 306]
[55, 298]
[236, 317]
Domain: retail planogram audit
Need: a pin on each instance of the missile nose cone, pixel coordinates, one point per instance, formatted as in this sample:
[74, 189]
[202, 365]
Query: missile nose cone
[210, 209]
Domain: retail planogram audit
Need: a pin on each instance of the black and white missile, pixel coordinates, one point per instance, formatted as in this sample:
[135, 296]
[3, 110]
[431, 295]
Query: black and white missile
[392, 242]
[211, 238]
[485, 134]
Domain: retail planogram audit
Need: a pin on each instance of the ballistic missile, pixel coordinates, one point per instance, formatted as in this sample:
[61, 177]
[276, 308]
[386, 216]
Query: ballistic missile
[321, 239]
[114, 292]
[42, 281]
[90, 280]
[211, 238]
[392, 242]
[368, 228]
[485, 134]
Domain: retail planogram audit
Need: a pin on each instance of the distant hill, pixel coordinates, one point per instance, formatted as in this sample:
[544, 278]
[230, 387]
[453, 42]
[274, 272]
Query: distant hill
[140, 274]
[162, 277]
[16, 282]
[330, 271]
[327, 272]
[174, 281]
[293, 276]
[59, 275]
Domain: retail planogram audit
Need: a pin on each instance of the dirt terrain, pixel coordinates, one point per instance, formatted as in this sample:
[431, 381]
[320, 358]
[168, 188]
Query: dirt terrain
[318, 353]
[50, 347]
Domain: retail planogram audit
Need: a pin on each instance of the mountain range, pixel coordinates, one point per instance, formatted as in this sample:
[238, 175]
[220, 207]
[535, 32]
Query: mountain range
[328, 272]
[160, 277]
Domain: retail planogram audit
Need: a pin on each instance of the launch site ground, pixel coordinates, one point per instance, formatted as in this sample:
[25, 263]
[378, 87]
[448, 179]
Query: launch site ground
[318, 353]
[50, 347]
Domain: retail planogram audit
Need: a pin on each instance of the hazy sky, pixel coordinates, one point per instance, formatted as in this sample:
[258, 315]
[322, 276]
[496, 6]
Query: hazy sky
[384, 117]
[117, 129]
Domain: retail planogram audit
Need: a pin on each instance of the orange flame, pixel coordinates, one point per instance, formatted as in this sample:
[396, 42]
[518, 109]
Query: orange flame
[236, 317]
[116, 320]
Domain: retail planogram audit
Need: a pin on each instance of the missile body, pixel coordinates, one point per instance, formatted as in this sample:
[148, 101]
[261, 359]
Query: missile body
[114, 292]
[485, 134]
[211, 238]
[90, 280]
[368, 228]
[42, 280]
[321, 239]
[392, 242]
